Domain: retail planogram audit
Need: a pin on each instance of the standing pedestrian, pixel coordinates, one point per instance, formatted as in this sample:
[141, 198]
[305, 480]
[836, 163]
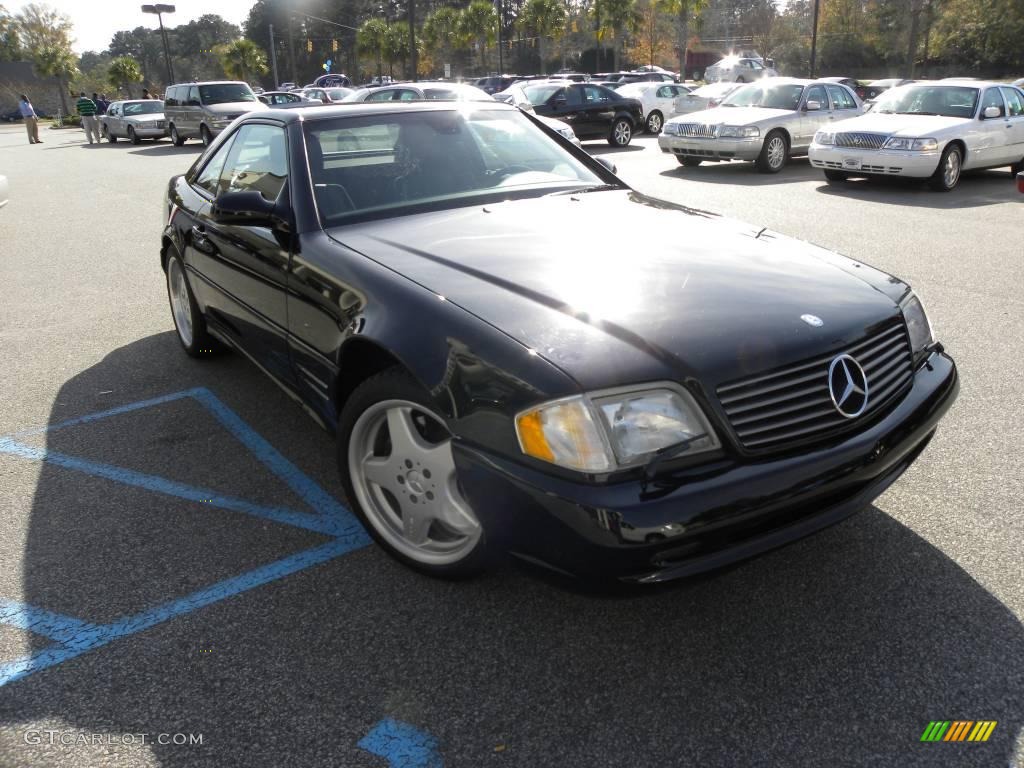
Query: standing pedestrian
[101, 106]
[145, 93]
[31, 120]
[87, 111]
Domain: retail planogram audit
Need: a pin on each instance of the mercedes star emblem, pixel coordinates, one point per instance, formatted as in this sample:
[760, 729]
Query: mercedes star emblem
[848, 386]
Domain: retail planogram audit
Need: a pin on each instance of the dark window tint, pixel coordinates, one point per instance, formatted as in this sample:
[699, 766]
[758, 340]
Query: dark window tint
[256, 162]
[225, 93]
[573, 95]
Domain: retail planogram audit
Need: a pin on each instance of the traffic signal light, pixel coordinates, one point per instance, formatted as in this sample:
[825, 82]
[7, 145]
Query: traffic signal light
[334, 46]
[309, 46]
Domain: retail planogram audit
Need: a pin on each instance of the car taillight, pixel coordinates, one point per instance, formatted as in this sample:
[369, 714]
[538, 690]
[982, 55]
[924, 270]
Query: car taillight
[1020, 182]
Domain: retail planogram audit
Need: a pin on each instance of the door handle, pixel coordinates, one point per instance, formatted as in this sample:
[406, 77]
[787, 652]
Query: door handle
[199, 240]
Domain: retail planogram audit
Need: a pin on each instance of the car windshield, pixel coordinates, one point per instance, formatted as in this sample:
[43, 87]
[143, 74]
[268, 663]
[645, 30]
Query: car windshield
[403, 162]
[767, 96]
[143, 107]
[225, 93]
[944, 100]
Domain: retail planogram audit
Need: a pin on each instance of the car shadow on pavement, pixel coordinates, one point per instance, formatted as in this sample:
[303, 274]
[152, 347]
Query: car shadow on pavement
[976, 189]
[837, 650]
[798, 169]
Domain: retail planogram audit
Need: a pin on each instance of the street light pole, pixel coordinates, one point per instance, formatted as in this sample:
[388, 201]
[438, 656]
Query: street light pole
[814, 38]
[159, 10]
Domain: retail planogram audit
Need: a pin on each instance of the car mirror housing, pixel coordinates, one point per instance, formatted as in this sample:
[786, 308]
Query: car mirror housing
[245, 209]
[990, 113]
[813, 106]
[606, 163]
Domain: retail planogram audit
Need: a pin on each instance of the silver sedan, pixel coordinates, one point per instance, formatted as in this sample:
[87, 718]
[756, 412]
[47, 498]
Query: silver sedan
[133, 120]
[766, 122]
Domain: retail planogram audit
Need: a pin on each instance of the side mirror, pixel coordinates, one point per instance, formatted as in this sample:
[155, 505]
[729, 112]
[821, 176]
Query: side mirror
[812, 106]
[608, 164]
[246, 209]
[991, 113]
[770, 63]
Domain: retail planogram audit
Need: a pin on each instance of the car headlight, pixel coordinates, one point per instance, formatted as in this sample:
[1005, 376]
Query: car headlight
[739, 131]
[911, 145]
[918, 326]
[670, 129]
[826, 138]
[600, 432]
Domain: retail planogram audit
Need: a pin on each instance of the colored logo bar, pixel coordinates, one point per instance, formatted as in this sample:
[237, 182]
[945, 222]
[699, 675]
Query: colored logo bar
[959, 730]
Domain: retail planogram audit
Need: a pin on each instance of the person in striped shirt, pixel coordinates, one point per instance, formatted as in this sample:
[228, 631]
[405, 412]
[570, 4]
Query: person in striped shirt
[86, 108]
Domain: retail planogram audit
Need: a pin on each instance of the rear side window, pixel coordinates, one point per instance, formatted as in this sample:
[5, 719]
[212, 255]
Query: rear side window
[171, 97]
[841, 98]
[993, 99]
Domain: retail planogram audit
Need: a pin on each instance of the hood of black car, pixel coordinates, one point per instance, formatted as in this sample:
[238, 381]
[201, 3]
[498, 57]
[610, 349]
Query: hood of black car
[614, 287]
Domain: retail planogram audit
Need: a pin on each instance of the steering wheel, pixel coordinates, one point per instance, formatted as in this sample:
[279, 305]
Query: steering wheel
[510, 170]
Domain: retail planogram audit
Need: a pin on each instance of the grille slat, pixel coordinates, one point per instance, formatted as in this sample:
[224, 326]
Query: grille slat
[857, 140]
[776, 408]
[697, 130]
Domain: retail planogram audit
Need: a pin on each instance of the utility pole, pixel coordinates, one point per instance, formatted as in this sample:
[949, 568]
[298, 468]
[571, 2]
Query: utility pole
[291, 51]
[814, 38]
[273, 58]
[501, 59]
[412, 39]
[159, 10]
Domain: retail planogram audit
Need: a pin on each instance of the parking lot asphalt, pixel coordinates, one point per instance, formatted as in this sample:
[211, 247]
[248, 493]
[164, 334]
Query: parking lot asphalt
[174, 561]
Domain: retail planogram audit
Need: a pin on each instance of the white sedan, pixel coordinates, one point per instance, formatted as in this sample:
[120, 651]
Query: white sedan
[929, 131]
[658, 101]
[706, 97]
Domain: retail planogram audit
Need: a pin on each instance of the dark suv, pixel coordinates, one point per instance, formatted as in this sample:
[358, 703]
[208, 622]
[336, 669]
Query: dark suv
[593, 111]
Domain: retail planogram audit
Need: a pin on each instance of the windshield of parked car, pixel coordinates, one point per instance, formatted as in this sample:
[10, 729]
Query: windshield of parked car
[767, 96]
[225, 93]
[143, 107]
[944, 100]
[390, 164]
[539, 94]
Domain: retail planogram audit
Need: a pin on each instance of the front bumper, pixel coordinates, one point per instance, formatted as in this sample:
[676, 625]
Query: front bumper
[873, 161]
[711, 149]
[701, 518]
[149, 133]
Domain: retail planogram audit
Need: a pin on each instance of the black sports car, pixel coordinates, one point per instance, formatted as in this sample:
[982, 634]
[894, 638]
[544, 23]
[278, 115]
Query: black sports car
[506, 372]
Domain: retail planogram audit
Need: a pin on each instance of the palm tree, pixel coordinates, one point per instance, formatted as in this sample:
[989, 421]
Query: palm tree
[371, 39]
[45, 34]
[242, 58]
[442, 34]
[123, 71]
[57, 62]
[616, 17]
[545, 18]
[479, 22]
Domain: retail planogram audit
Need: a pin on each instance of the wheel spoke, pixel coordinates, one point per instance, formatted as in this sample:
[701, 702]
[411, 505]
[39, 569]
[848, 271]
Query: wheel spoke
[380, 471]
[453, 512]
[405, 440]
[415, 524]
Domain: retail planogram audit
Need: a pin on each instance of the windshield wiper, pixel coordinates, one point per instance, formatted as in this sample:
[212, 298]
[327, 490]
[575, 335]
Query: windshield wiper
[588, 188]
[667, 454]
[930, 114]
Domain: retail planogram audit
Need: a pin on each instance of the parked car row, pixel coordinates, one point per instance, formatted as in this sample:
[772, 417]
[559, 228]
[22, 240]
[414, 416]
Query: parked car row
[928, 130]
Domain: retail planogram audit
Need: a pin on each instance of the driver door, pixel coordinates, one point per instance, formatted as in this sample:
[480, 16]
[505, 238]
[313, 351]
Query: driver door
[811, 120]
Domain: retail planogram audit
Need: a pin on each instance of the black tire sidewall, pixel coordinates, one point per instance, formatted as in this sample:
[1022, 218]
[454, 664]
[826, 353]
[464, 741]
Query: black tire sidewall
[395, 384]
[203, 345]
[938, 180]
[615, 124]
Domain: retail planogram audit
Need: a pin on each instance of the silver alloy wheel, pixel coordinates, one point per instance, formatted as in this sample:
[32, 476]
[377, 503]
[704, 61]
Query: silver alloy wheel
[776, 152]
[654, 123]
[951, 171]
[177, 289]
[405, 483]
[622, 133]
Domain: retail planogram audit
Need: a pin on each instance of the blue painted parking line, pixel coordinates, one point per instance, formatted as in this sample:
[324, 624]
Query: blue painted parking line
[402, 745]
[72, 637]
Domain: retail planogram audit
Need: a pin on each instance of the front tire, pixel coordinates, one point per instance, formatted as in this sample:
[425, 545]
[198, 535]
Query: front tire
[188, 320]
[947, 174]
[622, 133]
[654, 122]
[131, 135]
[205, 135]
[109, 136]
[398, 474]
[836, 177]
[774, 153]
[176, 137]
[689, 162]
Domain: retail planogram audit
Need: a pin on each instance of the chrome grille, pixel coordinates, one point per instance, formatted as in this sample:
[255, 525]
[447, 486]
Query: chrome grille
[861, 140]
[698, 130]
[792, 404]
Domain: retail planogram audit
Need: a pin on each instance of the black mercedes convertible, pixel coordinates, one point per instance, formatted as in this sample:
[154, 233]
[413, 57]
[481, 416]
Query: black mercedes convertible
[460, 295]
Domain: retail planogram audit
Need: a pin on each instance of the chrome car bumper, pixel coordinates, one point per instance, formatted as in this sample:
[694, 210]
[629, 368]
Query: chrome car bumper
[149, 133]
[873, 161]
[711, 149]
